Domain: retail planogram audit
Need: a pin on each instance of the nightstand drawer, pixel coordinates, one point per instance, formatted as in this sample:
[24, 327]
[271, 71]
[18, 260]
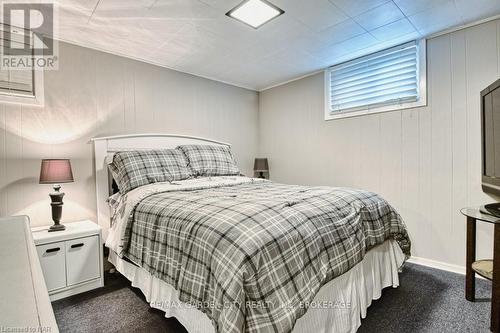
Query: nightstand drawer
[82, 259]
[53, 264]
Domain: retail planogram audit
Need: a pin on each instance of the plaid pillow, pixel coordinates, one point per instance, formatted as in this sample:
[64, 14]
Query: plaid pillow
[206, 160]
[132, 169]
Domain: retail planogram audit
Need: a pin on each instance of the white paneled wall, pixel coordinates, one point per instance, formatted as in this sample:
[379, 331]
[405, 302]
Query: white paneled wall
[94, 94]
[425, 161]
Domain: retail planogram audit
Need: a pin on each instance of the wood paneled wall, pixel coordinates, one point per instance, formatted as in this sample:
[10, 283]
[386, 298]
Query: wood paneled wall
[425, 161]
[95, 94]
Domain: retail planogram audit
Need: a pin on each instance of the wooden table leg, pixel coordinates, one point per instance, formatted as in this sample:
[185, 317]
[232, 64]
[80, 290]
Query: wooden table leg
[495, 289]
[470, 276]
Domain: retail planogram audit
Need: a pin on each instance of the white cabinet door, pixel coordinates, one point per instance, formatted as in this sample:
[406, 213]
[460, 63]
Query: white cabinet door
[53, 264]
[82, 259]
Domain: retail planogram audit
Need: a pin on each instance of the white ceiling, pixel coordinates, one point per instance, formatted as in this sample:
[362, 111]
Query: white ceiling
[195, 36]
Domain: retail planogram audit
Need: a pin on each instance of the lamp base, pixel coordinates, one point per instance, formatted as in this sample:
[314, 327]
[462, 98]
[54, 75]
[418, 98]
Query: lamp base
[56, 202]
[57, 227]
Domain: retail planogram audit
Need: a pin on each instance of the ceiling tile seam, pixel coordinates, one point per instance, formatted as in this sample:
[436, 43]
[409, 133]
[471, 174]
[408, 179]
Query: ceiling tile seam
[174, 35]
[366, 11]
[406, 17]
[383, 4]
[340, 41]
[93, 11]
[339, 9]
[349, 17]
[343, 40]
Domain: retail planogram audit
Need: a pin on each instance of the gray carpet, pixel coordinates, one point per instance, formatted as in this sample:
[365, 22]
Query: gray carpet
[117, 307]
[428, 300]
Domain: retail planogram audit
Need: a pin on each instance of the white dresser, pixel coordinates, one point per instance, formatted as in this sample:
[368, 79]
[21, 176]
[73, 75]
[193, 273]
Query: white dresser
[71, 260]
[24, 301]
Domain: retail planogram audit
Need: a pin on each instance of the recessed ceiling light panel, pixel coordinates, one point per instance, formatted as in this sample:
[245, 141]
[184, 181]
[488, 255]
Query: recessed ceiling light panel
[255, 13]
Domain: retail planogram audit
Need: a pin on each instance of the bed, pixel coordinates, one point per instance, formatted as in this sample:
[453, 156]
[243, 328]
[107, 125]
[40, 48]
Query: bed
[228, 253]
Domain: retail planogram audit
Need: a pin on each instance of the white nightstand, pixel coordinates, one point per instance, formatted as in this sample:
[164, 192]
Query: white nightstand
[71, 260]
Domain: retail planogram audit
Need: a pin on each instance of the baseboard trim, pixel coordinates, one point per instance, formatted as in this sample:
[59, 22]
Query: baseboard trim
[438, 265]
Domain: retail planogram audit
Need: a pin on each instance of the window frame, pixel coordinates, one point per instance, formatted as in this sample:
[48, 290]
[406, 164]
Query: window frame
[37, 99]
[422, 89]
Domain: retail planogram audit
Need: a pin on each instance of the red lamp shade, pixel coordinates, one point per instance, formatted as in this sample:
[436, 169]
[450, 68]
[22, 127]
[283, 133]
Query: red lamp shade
[55, 171]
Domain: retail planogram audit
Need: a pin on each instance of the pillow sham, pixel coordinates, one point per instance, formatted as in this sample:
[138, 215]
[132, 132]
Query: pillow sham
[132, 169]
[208, 160]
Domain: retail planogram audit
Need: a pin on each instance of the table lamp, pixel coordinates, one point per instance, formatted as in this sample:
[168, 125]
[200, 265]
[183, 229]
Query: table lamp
[56, 171]
[261, 165]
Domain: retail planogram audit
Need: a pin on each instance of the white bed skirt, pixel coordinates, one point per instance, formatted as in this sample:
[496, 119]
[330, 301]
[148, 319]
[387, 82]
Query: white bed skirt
[350, 294]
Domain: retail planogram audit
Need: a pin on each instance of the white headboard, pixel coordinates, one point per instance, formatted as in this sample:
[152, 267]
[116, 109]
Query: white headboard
[105, 146]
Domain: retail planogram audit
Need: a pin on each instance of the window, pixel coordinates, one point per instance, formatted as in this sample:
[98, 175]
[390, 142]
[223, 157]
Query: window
[25, 85]
[383, 81]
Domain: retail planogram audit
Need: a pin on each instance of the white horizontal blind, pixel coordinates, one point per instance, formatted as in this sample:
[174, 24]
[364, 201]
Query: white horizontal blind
[387, 77]
[14, 81]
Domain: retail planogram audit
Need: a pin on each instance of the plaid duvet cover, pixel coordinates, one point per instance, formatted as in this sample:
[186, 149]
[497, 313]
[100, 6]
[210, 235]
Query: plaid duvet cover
[252, 255]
